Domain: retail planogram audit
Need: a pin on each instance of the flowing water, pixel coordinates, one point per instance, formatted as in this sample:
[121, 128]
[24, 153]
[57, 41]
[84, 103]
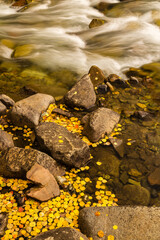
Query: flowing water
[59, 32]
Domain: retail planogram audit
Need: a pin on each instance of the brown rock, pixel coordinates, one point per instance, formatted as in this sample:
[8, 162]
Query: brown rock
[81, 94]
[100, 122]
[2, 108]
[3, 223]
[133, 223]
[154, 177]
[15, 162]
[49, 187]
[64, 146]
[7, 101]
[96, 75]
[28, 110]
[63, 233]
[5, 140]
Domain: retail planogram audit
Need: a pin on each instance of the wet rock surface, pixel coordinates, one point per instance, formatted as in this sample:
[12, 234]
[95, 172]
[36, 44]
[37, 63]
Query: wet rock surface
[15, 162]
[121, 222]
[63, 145]
[28, 110]
[61, 234]
[5, 140]
[81, 94]
[100, 122]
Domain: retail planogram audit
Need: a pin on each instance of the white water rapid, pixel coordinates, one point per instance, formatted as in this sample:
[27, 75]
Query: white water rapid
[59, 31]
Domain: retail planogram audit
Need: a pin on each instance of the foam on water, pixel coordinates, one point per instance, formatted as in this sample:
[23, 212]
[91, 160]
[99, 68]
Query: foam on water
[59, 31]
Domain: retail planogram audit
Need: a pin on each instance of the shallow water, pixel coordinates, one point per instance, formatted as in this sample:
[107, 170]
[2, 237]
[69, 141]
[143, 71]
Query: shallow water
[61, 37]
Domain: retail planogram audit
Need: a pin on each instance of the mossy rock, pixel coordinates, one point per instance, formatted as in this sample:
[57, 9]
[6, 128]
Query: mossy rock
[23, 51]
[96, 23]
[152, 67]
[8, 43]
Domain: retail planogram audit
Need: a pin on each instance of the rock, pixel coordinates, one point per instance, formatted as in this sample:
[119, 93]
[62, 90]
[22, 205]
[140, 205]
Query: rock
[5, 140]
[122, 222]
[102, 89]
[100, 122]
[61, 234]
[81, 94]
[7, 101]
[3, 223]
[136, 195]
[8, 43]
[134, 172]
[118, 145]
[143, 115]
[27, 90]
[154, 177]
[49, 187]
[96, 75]
[63, 145]
[62, 112]
[22, 51]
[2, 108]
[28, 110]
[124, 177]
[96, 23]
[15, 162]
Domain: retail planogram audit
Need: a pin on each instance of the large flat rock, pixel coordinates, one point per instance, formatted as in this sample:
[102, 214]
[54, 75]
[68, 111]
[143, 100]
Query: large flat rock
[64, 146]
[16, 162]
[65, 233]
[123, 222]
[27, 111]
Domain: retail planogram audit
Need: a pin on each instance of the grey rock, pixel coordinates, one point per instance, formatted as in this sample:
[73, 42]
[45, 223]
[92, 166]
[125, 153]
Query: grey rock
[7, 101]
[154, 177]
[136, 195]
[63, 145]
[27, 111]
[133, 222]
[61, 234]
[15, 162]
[3, 223]
[100, 122]
[5, 140]
[2, 108]
[48, 185]
[81, 94]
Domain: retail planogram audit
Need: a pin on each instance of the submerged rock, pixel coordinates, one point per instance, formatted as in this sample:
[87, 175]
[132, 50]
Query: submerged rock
[122, 222]
[81, 94]
[15, 162]
[48, 185]
[154, 177]
[100, 122]
[22, 51]
[64, 146]
[136, 195]
[5, 140]
[61, 234]
[27, 111]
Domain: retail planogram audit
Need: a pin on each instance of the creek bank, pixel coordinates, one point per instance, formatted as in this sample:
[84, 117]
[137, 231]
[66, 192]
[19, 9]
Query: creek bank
[123, 170]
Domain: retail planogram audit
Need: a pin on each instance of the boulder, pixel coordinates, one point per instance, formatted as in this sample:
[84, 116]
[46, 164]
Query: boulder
[3, 223]
[100, 122]
[136, 195]
[61, 234]
[2, 108]
[63, 145]
[27, 111]
[48, 185]
[154, 177]
[81, 94]
[5, 140]
[123, 222]
[7, 101]
[15, 162]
